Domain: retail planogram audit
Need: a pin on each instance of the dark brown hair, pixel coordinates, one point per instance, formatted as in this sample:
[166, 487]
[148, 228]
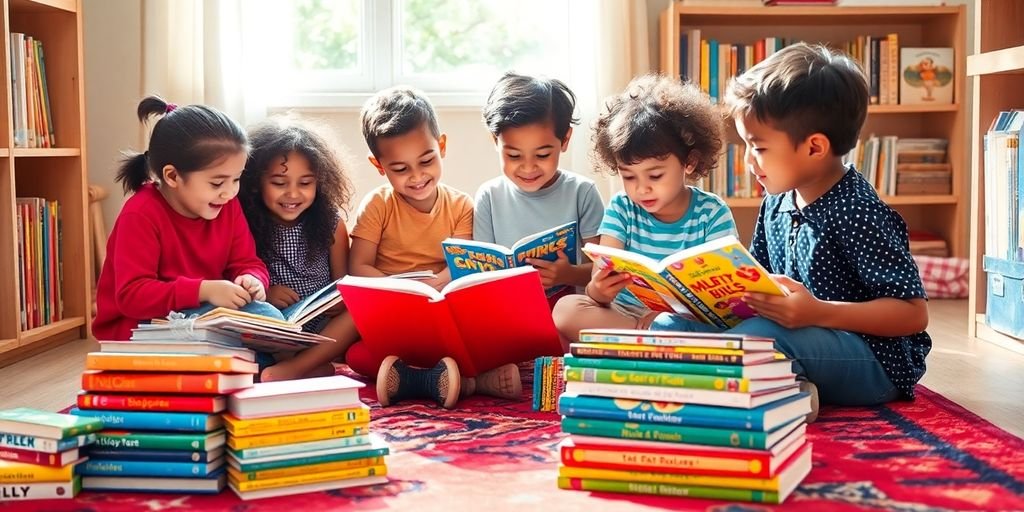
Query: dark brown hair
[802, 90]
[396, 111]
[520, 100]
[190, 138]
[654, 117]
[272, 141]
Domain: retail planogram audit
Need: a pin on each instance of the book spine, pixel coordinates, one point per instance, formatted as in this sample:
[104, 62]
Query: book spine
[653, 339]
[309, 461]
[302, 470]
[23, 442]
[40, 491]
[644, 475]
[587, 484]
[261, 426]
[284, 449]
[656, 366]
[664, 433]
[134, 420]
[37, 458]
[298, 436]
[660, 394]
[625, 353]
[623, 459]
[14, 472]
[152, 382]
[309, 478]
[151, 403]
[154, 441]
[681, 416]
[152, 363]
[140, 468]
[150, 455]
[672, 380]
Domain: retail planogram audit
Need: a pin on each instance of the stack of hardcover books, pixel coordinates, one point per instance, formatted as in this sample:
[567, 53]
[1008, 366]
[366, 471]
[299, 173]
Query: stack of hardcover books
[39, 453]
[682, 414]
[294, 437]
[163, 431]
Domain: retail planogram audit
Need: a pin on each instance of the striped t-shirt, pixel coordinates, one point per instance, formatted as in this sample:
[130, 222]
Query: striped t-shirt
[706, 219]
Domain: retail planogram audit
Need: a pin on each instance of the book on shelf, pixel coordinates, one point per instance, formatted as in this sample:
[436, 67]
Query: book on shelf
[1003, 185]
[706, 281]
[40, 262]
[30, 101]
[923, 243]
[465, 257]
[468, 320]
[903, 166]
[926, 76]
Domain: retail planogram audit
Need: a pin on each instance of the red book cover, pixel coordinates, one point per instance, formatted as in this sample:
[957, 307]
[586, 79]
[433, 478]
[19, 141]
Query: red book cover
[152, 382]
[165, 403]
[55, 460]
[482, 320]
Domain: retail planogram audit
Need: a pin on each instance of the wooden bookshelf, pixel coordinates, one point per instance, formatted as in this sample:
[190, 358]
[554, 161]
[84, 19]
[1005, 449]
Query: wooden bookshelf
[57, 173]
[996, 71]
[941, 26]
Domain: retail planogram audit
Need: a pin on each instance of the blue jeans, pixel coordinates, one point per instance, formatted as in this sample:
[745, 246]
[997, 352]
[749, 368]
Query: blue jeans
[839, 363]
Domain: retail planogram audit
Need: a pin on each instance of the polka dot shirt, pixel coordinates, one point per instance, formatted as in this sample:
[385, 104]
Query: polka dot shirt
[848, 246]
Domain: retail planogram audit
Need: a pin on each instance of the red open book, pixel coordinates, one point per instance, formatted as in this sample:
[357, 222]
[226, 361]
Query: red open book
[482, 320]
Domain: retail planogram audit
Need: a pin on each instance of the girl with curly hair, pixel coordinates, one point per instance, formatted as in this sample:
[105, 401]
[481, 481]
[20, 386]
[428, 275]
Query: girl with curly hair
[294, 193]
[657, 135]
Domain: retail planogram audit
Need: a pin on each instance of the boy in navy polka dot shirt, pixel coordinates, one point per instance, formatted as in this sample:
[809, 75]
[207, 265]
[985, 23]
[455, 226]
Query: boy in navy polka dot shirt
[854, 319]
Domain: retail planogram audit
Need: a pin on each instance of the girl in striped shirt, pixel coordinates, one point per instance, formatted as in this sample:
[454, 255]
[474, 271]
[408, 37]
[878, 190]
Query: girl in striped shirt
[657, 135]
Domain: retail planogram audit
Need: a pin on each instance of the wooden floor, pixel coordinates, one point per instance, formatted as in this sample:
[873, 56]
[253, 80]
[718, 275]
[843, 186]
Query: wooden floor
[982, 377]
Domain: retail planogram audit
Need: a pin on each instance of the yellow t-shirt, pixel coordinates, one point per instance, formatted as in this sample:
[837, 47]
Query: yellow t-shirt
[408, 239]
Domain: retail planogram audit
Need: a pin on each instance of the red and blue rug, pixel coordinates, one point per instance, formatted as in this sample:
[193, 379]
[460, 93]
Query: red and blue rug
[493, 455]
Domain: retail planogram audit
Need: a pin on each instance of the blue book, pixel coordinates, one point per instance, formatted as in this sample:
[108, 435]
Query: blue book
[467, 257]
[97, 453]
[713, 70]
[162, 421]
[761, 419]
[149, 468]
[209, 484]
[313, 305]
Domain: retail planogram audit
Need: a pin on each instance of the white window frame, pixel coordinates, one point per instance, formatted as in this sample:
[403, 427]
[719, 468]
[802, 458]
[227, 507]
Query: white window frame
[380, 69]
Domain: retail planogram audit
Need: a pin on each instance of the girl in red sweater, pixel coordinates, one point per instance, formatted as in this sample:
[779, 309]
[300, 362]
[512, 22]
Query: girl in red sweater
[181, 239]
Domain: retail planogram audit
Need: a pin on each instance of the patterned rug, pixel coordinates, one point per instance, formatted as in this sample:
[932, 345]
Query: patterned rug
[927, 455]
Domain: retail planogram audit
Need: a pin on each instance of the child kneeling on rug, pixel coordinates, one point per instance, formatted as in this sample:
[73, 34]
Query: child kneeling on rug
[854, 319]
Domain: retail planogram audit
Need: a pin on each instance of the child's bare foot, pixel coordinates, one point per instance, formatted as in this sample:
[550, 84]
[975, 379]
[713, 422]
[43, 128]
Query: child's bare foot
[502, 382]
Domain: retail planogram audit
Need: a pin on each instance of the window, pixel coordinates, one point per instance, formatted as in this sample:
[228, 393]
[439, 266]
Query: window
[334, 48]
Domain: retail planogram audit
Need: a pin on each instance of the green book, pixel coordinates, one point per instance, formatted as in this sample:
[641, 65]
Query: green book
[128, 441]
[668, 433]
[668, 380]
[690, 491]
[781, 368]
[51, 425]
[376, 449]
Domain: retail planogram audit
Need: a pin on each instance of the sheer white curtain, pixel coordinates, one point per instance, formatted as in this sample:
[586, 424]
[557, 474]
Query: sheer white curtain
[609, 46]
[195, 51]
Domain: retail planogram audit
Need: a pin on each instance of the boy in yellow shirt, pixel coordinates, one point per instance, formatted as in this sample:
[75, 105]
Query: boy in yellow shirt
[399, 228]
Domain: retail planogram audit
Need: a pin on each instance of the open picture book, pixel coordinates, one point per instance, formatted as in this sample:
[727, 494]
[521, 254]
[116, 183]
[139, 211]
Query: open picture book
[465, 257]
[482, 320]
[705, 282]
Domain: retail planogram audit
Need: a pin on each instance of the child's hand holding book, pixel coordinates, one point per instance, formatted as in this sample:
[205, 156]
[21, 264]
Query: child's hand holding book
[554, 273]
[606, 284]
[223, 293]
[797, 308]
[282, 296]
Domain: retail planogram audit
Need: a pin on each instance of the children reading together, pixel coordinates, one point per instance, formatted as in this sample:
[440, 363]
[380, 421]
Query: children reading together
[181, 239]
[655, 135]
[854, 319]
[399, 228]
[530, 120]
[294, 192]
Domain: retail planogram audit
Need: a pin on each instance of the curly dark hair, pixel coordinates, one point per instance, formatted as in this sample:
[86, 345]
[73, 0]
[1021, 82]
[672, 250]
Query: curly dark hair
[273, 140]
[654, 117]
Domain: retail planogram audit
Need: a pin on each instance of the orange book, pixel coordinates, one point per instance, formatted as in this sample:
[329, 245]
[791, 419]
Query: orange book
[195, 383]
[167, 363]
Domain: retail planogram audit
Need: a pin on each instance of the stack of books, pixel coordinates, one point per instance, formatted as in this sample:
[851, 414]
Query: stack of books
[682, 414]
[161, 410]
[922, 167]
[294, 437]
[39, 453]
[548, 383]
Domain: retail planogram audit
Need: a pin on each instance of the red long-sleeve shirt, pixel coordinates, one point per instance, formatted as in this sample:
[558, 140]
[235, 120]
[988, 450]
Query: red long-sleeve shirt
[156, 259]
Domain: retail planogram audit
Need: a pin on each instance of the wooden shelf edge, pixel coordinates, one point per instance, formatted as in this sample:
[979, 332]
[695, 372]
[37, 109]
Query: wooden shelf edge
[51, 330]
[61, 5]
[4, 152]
[912, 109]
[44, 152]
[990, 335]
[8, 344]
[826, 10]
[1007, 60]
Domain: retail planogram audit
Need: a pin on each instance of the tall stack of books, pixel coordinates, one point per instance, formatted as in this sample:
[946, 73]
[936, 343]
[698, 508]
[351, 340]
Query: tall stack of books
[682, 414]
[294, 437]
[39, 453]
[161, 411]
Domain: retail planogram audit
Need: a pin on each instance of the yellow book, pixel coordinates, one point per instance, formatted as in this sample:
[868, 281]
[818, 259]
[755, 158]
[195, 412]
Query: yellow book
[756, 484]
[259, 426]
[308, 478]
[270, 474]
[298, 436]
[18, 472]
[705, 76]
[706, 282]
[666, 348]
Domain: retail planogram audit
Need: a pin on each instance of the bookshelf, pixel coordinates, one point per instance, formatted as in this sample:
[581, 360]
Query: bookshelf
[996, 72]
[939, 26]
[56, 173]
